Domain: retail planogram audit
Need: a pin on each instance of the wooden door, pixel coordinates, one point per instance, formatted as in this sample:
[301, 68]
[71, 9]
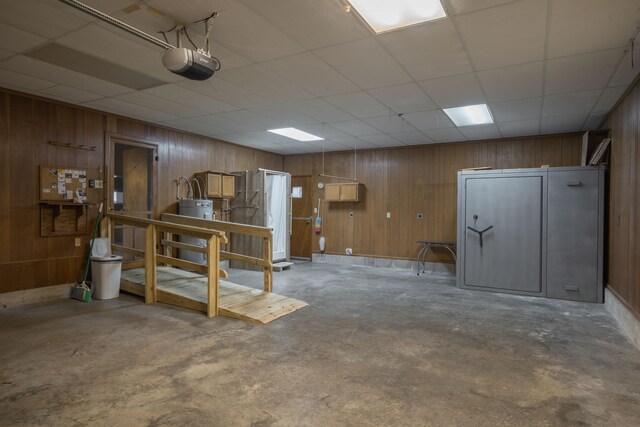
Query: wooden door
[303, 219]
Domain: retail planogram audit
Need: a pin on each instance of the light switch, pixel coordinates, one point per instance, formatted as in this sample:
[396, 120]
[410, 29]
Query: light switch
[388, 215]
[78, 242]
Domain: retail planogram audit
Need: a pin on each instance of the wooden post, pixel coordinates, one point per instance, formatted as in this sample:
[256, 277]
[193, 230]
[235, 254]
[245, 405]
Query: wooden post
[267, 255]
[150, 293]
[213, 273]
[168, 250]
[105, 228]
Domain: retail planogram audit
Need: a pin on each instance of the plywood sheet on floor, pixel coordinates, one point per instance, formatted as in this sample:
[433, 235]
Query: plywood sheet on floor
[188, 289]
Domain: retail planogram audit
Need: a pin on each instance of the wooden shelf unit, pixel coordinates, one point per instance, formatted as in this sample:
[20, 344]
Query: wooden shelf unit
[63, 218]
[344, 192]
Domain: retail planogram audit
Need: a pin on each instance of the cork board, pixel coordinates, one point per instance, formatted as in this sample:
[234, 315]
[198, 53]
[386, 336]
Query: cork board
[61, 183]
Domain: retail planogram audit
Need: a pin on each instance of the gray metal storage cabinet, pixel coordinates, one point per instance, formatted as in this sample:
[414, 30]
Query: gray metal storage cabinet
[532, 231]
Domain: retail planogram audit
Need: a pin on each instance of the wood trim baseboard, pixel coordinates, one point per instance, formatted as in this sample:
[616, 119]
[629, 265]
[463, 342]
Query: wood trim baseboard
[624, 302]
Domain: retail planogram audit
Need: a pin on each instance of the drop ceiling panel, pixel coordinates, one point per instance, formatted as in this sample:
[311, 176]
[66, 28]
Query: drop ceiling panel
[609, 98]
[355, 127]
[404, 98]
[389, 124]
[283, 116]
[411, 138]
[445, 135]
[629, 66]
[324, 131]
[359, 104]
[248, 118]
[562, 123]
[15, 40]
[22, 81]
[4, 54]
[580, 26]
[365, 62]
[263, 82]
[428, 120]
[520, 128]
[516, 82]
[507, 35]
[454, 91]
[63, 76]
[237, 27]
[331, 146]
[382, 140]
[194, 126]
[161, 104]
[195, 100]
[428, 51]
[110, 6]
[570, 103]
[354, 143]
[518, 110]
[225, 123]
[43, 18]
[320, 110]
[581, 72]
[312, 23]
[309, 72]
[459, 7]
[594, 121]
[69, 94]
[227, 92]
[481, 132]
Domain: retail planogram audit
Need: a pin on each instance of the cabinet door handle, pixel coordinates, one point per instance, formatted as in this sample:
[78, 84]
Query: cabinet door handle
[572, 288]
[574, 183]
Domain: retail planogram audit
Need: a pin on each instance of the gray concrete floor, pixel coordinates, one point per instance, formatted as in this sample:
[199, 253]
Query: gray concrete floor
[375, 347]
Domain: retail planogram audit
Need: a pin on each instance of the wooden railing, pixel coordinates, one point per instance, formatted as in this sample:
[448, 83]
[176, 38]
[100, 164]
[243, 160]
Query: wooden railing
[229, 227]
[151, 258]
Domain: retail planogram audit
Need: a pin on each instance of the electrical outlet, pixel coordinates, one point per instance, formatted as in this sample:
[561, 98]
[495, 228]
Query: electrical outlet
[420, 215]
[98, 183]
[388, 215]
[315, 210]
[349, 251]
[78, 242]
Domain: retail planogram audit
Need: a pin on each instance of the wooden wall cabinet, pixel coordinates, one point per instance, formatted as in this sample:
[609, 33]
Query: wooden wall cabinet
[344, 192]
[218, 184]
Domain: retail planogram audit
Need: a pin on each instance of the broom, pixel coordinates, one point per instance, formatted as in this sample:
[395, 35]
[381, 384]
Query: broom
[82, 291]
[318, 225]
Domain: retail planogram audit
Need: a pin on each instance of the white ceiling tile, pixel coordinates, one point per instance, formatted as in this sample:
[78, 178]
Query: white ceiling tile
[69, 94]
[124, 108]
[308, 71]
[405, 98]
[161, 104]
[320, 110]
[324, 131]
[4, 54]
[454, 91]
[220, 122]
[365, 62]
[516, 82]
[558, 124]
[175, 93]
[518, 110]
[16, 40]
[42, 18]
[261, 81]
[382, 140]
[359, 104]
[312, 23]
[428, 120]
[332, 146]
[355, 127]
[609, 98]
[520, 128]
[445, 135]
[285, 116]
[581, 72]
[629, 66]
[594, 121]
[580, 26]
[481, 132]
[390, 123]
[63, 76]
[459, 7]
[23, 81]
[117, 47]
[228, 58]
[411, 138]
[570, 103]
[506, 35]
[353, 142]
[246, 117]
[237, 27]
[428, 51]
[227, 92]
[194, 126]
[109, 6]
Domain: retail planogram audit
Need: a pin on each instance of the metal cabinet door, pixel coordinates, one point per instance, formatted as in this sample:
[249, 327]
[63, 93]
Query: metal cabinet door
[572, 239]
[510, 258]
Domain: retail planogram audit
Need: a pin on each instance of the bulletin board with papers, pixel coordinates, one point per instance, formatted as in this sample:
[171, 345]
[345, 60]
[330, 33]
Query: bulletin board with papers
[61, 183]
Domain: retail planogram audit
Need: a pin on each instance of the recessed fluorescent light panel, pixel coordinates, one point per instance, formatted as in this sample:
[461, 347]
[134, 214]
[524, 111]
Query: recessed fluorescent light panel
[296, 134]
[388, 15]
[470, 115]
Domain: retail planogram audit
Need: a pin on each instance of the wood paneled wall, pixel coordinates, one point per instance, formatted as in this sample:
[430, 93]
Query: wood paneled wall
[27, 123]
[411, 180]
[624, 201]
